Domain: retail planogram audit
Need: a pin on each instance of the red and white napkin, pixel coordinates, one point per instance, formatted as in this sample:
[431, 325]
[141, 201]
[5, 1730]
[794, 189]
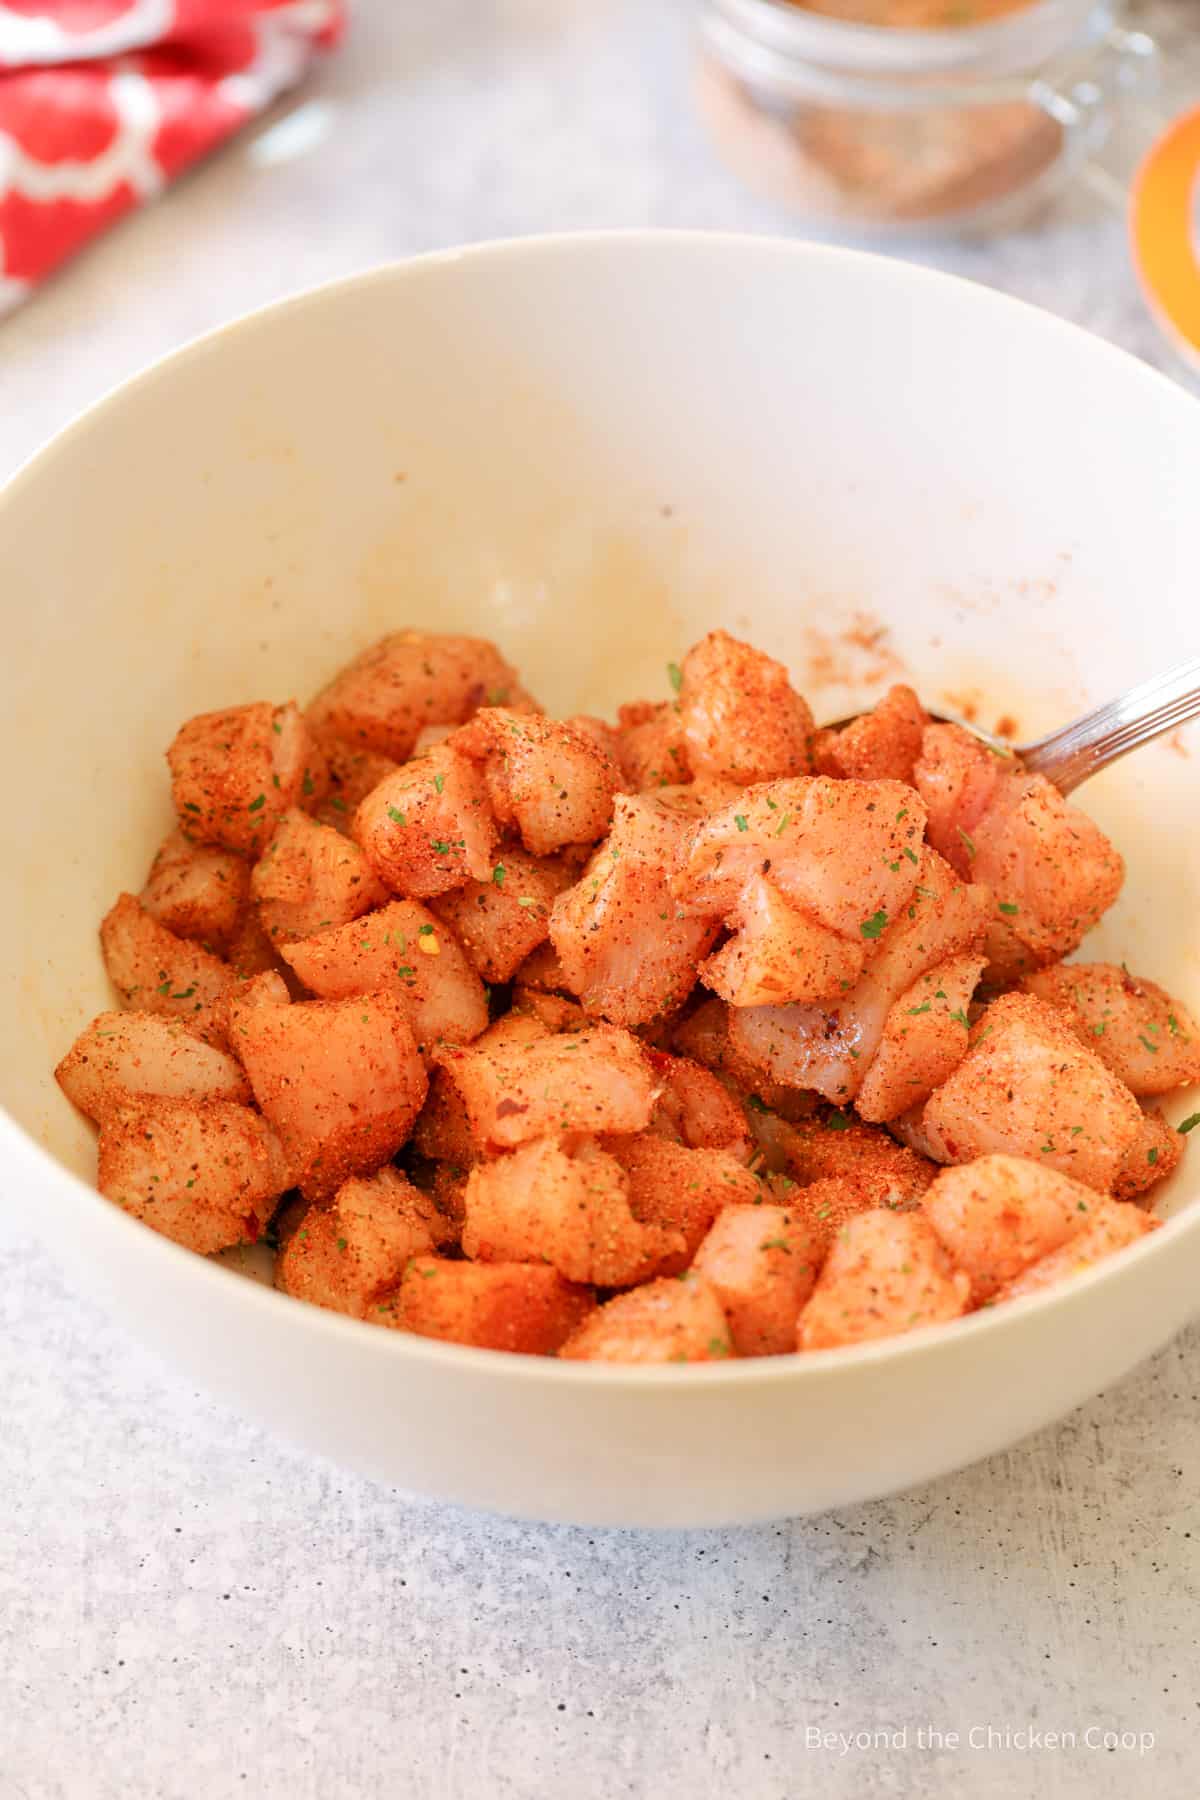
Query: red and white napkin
[103, 102]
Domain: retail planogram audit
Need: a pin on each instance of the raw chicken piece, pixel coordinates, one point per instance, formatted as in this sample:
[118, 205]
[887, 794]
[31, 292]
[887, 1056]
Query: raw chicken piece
[234, 773]
[695, 1109]
[205, 1173]
[155, 971]
[1027, 1086]
[1113, 1226]
[625, 947]
[742, 719]
[651, 745]
[761, 1262]
[833, 1144]
[563, 1202]
[1148, 1040]
[665, 1321]
[443, 1130]
[516, 1089]
[682, 1190]
[197, 891]
[405, 949]
[830, 1048]
[846, 853]
[924, 1040]
[353, 772]
[879, 745]
[886, 1273]
[1051, 870]
[704, 1036]
[552, 784]
[123, 1056]
[429, 827]
[554, 1011]
[308, 878]
[408, 681]
[999, 1214]
[825, 1207]
[1154, 1154]
[778, 955]
[346, 1255]
[502, 920]
[525, 1307]
[342, 1082]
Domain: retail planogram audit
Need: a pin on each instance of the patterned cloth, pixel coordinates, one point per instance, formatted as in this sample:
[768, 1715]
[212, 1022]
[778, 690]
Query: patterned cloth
[102, 102]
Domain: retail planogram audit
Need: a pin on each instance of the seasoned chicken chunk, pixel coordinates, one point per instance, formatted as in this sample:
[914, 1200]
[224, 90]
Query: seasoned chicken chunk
[831, 1047]
[516, 1088]
[342, 1082]
[1113, 1227]
[652, 746]
[155, 971]
[123, 1056]
[547, 781]
[679, 1189]
[704, 1036]
[998, 1214]
[624, 945]
[696, 1109]
[429, 827]
[761, 1262]
[1149, 1041]
[308, 878]
[526, 1307]
[680, 1320]
[197, 891]
[879, 745]
[205, 1173]
[411, 680]
[742, 719]
[407, 950]
[885, 1273]
[234, 773]
[1051, 870]
[778, 955]
[502, 920]
[846, 853]
[1028, 1087]
[565, 1202]
[924, 1039]
[344, 1256]
[1154, 1154]
[353, 773]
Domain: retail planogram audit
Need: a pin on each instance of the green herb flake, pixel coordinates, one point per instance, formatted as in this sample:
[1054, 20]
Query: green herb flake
[341, 1244]
[439, 846]
[911, 855]
[498, 874]
[739, 820]
[783, 824]
[1006, 906]
[396, 816]
[1152, 1157]
[256, 805]
[968, 841]
[960, 1018]
[424, 930]
[924, 1007]
[837, 1121]
[874, 926]
[675, 675]
[527, 900]
[1189, 1124]
[1143, 1039]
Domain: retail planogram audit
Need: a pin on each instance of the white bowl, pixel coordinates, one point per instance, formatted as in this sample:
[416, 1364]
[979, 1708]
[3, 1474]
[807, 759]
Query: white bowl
[592, 449]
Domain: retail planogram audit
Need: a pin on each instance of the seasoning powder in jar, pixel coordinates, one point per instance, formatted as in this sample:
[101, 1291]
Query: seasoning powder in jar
[930, 114]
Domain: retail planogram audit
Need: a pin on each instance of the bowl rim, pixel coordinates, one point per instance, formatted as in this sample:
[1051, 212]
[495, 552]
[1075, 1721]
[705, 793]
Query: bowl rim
[19, 1147]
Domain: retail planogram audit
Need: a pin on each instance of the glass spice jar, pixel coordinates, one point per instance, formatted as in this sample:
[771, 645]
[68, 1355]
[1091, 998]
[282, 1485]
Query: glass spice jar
[882, 129]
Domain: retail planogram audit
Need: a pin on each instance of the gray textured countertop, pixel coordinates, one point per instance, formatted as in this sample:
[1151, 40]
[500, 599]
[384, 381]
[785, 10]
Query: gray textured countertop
[190, 1608]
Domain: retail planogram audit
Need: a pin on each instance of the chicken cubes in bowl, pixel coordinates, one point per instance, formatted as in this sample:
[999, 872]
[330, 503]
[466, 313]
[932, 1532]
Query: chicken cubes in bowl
[703, 1034]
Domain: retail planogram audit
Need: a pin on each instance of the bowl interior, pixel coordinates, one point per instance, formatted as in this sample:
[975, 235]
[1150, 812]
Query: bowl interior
[592, 451]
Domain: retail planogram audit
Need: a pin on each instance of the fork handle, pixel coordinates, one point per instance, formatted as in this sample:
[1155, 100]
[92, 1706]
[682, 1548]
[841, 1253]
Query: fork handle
[1080, 750]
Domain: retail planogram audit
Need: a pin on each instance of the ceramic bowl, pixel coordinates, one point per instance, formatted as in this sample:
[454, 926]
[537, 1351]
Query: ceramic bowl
[593, 450]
